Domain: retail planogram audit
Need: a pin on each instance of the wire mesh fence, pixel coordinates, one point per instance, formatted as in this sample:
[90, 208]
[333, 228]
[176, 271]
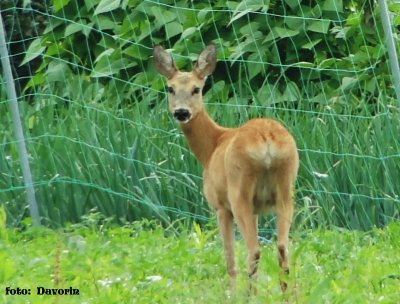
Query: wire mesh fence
[99, 136]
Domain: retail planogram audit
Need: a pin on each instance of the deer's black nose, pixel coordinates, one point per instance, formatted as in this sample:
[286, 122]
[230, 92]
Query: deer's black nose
[181, 114]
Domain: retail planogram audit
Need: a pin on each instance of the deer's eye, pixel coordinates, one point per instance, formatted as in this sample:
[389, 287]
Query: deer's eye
[196, 90]
[171, 90]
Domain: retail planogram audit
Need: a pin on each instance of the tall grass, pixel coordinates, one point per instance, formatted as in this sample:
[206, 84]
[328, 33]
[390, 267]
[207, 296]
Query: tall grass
[130, 161]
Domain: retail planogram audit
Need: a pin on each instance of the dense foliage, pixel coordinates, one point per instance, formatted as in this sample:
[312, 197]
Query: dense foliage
[325, 52]
[22, 25]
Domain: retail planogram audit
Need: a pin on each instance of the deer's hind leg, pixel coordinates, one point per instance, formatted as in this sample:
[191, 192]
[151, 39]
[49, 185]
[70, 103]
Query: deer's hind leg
[284, 210]
[241, 194]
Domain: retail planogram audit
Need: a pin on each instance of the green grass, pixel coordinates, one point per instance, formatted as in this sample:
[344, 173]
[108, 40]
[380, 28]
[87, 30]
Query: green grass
[144, 263]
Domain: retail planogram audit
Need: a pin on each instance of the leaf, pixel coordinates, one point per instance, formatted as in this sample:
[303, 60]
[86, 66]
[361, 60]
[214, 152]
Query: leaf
[197, 230]
[89, 4]
[52, 25]
[268, 95]
[37, 79]
[311, 44]
[246, 7]
[145, 30]
[319, 26]
[26, 3]
[394, 7]
[104, 23]
[202, 15]
[396, 20]
[254, 69]
[348, 83]
[31, 123]
[294, 23]
[162, 16]
[218, 87]
[107, 67]
[72, 28]
[78, 27]
[327, 63]
[284, 32]
[106, 53]
[188, 32]
[303, 64]
[293, 3]
[342, 32]
[57, 71]
[232, 5]
[292, 92]
[173, 28]
[59, 4]
[354, 19]
[249, 28]
[333, 6]
[280, 32]
[238, 15]
[361, 57]
[87, 29]
[138, 51]
[106, 6]
[35, 49]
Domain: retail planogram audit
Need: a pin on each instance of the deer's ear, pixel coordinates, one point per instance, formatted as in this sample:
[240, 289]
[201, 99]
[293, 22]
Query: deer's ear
[205, 65]
[163, 62]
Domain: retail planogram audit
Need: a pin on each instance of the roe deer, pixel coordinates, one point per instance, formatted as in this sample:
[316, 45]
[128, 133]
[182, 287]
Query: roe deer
[246, 170]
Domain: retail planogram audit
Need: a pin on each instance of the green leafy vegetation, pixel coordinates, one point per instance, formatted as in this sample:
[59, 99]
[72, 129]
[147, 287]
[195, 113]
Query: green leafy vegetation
[100, 138]
[318, 51]
[144, 263]
[104, 150]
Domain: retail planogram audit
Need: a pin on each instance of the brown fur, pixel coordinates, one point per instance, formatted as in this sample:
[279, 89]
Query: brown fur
[247, 170]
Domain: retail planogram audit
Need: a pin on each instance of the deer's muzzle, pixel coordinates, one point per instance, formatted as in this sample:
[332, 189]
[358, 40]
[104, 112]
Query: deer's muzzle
[182, 115]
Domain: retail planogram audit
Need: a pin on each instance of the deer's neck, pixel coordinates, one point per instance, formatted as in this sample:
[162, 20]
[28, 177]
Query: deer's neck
[202, 134]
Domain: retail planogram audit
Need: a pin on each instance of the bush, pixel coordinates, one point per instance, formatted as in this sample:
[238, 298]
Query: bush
[326, 52]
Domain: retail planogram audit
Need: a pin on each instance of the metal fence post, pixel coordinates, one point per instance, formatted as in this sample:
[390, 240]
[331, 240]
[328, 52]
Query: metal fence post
[23, 155]
[394, 61]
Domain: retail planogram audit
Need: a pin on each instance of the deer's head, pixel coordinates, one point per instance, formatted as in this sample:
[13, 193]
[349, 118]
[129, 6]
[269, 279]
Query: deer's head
[185, 88]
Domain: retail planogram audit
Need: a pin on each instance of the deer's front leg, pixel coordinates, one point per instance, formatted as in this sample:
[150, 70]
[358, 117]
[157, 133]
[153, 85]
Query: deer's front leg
[225, 223]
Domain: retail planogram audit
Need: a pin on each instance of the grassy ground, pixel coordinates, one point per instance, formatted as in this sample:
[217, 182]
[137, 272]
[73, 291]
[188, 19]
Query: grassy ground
[143, 263]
